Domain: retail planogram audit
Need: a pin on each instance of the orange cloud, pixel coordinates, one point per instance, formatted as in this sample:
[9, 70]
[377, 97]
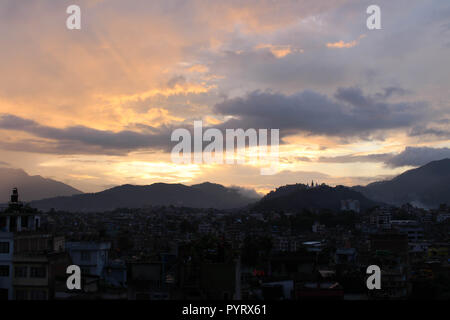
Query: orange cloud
[341, 44]
[198, 68]
[279, 51]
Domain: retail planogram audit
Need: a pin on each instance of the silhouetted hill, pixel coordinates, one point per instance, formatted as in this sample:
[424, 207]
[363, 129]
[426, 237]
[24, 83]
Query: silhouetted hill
[427, 186]
[300, 196]
[204, 195]
[214, 188]
[31, 187]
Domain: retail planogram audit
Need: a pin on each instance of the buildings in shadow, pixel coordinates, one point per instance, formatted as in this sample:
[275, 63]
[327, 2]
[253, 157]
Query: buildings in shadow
[162, 253]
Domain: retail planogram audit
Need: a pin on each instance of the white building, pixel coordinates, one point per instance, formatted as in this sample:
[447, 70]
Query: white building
[350, 205]
[381, 219]
[91, 257]
[285, 244]
[318, 228]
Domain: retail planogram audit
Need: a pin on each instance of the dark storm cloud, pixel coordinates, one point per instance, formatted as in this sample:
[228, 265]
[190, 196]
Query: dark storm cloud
[356, 97]
[418, 156]
[411, 156]
[421, 131]
[58, 147]
[378, 157]
[85, 139]
[350, 113]
[391, 91]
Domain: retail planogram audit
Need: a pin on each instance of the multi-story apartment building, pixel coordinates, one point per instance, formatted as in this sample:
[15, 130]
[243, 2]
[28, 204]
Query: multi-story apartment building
[29, 259]
[6, 265]
[92, 257]
[409, 227]
[381, 219]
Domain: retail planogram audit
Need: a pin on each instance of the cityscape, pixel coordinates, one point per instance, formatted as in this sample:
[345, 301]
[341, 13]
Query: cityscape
[250, 253]
[221, 158]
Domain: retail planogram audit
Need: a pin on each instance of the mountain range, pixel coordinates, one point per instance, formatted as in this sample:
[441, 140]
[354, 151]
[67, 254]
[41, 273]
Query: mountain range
[205, 195]
[426, 186]
[31, 187]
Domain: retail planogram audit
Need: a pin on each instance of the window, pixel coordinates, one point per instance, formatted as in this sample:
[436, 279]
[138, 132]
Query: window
[38, 272]
[85, 256]
[4, 271]
[4, 247]
[24, 222]
[21, 272]
[2, 223]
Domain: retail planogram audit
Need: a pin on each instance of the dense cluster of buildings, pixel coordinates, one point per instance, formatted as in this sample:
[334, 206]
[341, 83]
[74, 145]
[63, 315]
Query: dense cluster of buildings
[161, 253]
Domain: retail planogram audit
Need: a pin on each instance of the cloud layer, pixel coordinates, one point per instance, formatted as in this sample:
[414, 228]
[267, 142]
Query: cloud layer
[113, 91]
[350, 113]
[411, 156]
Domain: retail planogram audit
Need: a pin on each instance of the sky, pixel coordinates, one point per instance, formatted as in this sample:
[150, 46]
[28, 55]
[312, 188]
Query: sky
[95, 108]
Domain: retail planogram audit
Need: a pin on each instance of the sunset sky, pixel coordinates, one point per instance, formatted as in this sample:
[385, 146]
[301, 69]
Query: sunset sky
[95, 107]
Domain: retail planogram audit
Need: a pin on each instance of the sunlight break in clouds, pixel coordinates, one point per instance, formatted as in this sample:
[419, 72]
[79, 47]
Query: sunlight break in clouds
[278, 50]
[105, 97]
[341, 44]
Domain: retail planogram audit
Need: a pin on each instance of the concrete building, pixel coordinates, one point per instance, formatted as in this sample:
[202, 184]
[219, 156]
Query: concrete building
[409, 227]
[318, 228]
[22, 252]
[350, 205]
[6, 265]
[381, 219]
[17, 218]
[285, 244]
[115, 273]
[390, 253]
[92, 257]
[39, 261]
